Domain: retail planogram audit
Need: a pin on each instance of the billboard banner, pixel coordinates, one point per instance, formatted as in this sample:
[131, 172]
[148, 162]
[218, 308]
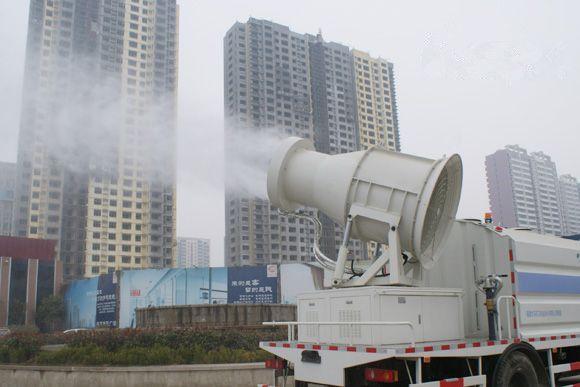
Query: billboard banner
[169, 287]
[139, 289]
[253, 285]
[106, 302]
[80, 302]
[92, 303]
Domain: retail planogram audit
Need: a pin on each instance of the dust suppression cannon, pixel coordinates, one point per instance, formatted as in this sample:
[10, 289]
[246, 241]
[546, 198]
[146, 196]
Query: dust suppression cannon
[416, 313]
[403, 201]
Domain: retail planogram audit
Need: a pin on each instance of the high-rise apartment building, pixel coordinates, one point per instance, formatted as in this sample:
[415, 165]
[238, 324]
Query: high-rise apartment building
[570, 202]
[266, 85]
[546, 186]
[96, 170]
[511, 188]
[193, 252]
[376, 102]
[7, 183]
[523, 190]
[298, 85]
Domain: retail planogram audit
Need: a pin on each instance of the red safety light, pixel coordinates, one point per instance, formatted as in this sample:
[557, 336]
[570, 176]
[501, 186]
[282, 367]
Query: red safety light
[378, 375]
[275, 363]
[498, 228]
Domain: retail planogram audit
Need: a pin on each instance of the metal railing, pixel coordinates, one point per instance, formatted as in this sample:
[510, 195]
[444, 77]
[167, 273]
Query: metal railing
[517, 315]
[351, 324]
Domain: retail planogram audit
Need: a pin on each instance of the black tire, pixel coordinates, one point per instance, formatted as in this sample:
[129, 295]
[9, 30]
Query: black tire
[515, 370]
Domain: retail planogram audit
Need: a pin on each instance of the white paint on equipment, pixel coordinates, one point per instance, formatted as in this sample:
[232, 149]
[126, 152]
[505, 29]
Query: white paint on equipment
[410, 203]
[422, 194]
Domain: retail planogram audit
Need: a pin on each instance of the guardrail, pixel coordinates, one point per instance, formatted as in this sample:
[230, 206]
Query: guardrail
[517, 315]
[292, 324]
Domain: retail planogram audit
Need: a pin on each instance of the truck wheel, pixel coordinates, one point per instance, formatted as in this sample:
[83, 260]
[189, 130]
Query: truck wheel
[515, 370]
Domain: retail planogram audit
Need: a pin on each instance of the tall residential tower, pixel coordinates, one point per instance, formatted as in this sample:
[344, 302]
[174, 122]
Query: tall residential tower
[96, 168]
[7, 183]
[523, 190]
[570, 201]
[376, 102]
[297, 85]
[193, 252]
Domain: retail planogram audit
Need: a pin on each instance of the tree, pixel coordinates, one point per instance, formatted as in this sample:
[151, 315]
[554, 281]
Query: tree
[50, 314]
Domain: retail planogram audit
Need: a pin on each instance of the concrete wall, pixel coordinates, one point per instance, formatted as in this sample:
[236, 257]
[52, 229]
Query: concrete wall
[213, 315]
[210, 375]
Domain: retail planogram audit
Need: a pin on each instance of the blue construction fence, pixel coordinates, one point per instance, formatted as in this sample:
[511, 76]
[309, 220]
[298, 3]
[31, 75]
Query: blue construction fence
[110, 300]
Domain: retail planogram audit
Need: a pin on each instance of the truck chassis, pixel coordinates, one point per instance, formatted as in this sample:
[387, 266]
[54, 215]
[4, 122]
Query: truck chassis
[446, 364]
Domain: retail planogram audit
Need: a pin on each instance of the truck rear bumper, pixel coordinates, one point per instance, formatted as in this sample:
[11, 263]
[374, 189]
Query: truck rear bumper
[326, 366]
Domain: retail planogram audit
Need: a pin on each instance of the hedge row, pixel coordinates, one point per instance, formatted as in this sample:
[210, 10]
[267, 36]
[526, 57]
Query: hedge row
[207, 339]
[138, 347]
[92, 355]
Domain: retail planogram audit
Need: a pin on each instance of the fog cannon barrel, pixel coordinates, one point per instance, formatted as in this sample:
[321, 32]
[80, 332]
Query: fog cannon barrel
[379, 188]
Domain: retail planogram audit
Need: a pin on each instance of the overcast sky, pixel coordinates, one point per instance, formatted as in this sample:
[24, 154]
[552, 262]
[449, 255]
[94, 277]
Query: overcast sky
[471, 77]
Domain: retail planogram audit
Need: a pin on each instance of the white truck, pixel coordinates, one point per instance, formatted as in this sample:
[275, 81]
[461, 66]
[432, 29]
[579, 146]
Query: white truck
[444, 302]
